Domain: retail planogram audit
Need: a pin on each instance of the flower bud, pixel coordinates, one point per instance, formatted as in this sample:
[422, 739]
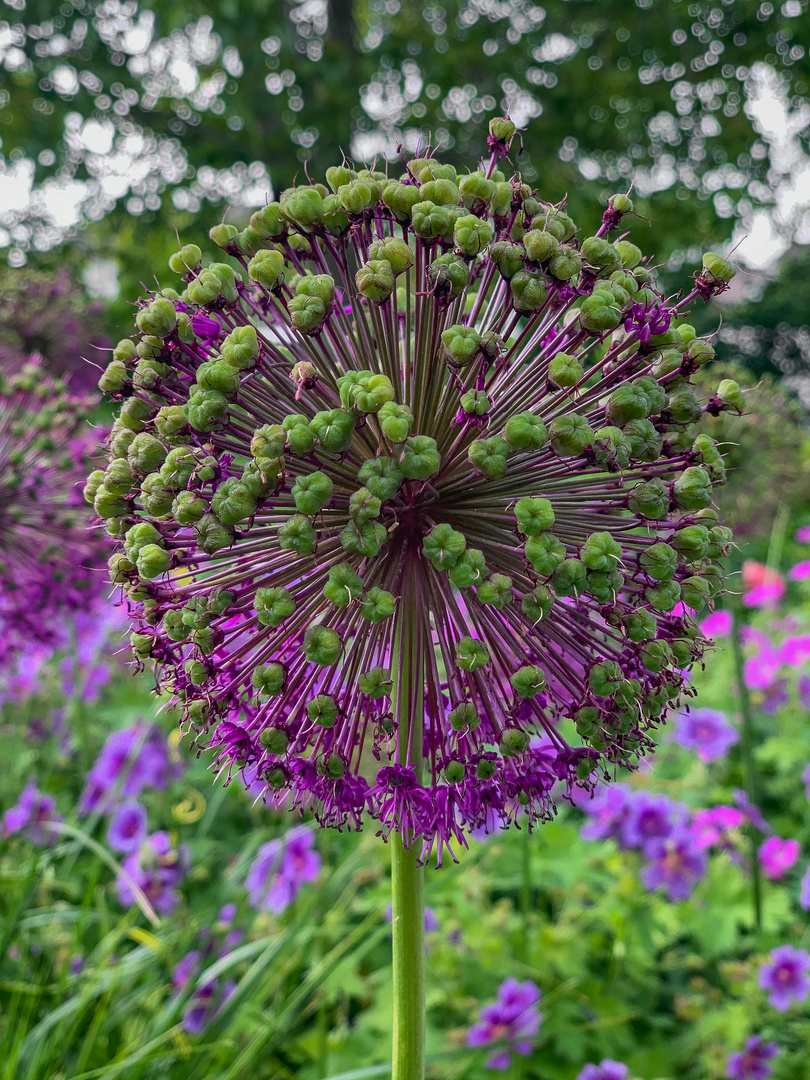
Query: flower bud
[533, 515]
[322, 646]
[469, 569]
[525, 431]
[471, 654]
[312, 492]
[545, 553]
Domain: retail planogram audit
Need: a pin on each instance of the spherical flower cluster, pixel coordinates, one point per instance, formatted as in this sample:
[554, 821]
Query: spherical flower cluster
[50, 562]
[403, 480]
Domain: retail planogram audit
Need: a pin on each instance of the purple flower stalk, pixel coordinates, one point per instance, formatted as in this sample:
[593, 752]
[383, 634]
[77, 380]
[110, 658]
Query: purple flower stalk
[785, 977]
[754, 1062]
[706, 731]
[280, 869]
[50, 561]
[514, 1016]
[417, 445]
[607, 1069]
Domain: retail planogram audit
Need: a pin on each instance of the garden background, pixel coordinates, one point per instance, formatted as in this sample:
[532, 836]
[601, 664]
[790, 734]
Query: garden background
[256, 945]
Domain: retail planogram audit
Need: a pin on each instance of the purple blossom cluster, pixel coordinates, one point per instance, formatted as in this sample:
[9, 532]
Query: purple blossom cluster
[416, 423]
[513, 1018]
[281, 868]
[131, 760]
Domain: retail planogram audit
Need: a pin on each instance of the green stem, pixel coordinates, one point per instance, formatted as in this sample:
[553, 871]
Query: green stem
[749, 768]
[408, 906]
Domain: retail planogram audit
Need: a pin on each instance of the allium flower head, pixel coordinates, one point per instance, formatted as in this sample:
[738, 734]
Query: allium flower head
[415, 424]
[50, 561]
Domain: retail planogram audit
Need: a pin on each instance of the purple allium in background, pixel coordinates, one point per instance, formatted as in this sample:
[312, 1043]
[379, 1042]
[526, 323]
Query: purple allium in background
[515, 1015]
[784, 977]
[279, 870]
[157, 868]
[607, 1069]
[754, 1062]
[127, 827]
[130, 760]
[706, 731]
[205, 1004]
[51, 562]
[674, 863]
[324, 478]
[777, 856]
[30, 814]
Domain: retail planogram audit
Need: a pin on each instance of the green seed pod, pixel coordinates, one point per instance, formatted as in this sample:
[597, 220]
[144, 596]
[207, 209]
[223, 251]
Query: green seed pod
[605, 678]
[695, 592]
[659, 561]
[211, 535]
[363, 506]
[273, 605]
[376, 683]
[401, 199]
[121, 568]
[603, 586]
[717, 269]
[439, 193]
[108, 505]
[461, 344]
[569, 578]
[92, 486]
[114, 378]
[268, 222]
[298, 535]
[152, 561]
[471, 654]
[495, 592]
[135, 412]
[375, 280]
[629, 254]
[343, 586]
[644, 441]
[540, 245]
[649, 499]
[601, 256]
[525, 431]
[302, 206]
[382, 476]
[489, 456]
[601, 552]
[664, 596]
[322, 646]
[471, 235]
[312, 492]
[730, 394]
[188, 507]
[119, 479]
[449, 275]
[469, 569]
[570, 435]
[158, 319]
[476, 190]
[529, 292]
[475, 402]
[378, 605]
[429, 220]
[501, 129]
[693, 488]
[396, 253]
[420, 459]
[557, 222]
[274, 740]
[533, 516]
[267, 268]
[611, 448]
[443, 546]
[322, 710]
[365, 392]
[513, 742]
[565, 370]
[269, 679]
[565, 263]
[692, 542]
[545, 553]
[364, 538]
[307, 313]
[528, 681]
[600, 312]
[333, 429]
[640, 625]
[395, 421]
[232, 502]
[338, 176]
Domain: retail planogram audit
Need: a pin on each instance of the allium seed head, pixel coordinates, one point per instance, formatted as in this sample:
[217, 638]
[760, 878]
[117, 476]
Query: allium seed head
[411, 479]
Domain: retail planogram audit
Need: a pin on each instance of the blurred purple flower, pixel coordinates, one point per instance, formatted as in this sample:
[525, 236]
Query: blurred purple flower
[29, 815]
[127, 827]
[431, 921]
[205, 1003]
[607, 1069]
[607, 810]
[803, 688]
[674, 863]
[752, 812]
[651, 818]
[706, 731]
[804, 891]
[514, 1015]
[710, 827]
[785, 977]
[799, 572]
[718, 624]
[752, 1063]
[185, 970]
[280, 868]
[777, 856]
[802, 534]
[130, 760]
[157, 868]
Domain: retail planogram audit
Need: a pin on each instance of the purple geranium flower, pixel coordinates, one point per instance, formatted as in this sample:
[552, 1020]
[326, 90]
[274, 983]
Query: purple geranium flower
[710, 827]
[280, 868]
[607, 1069]
[127, 827]
[514, 1016]
[675, 864]
[652, 818]
[607, 811]
[777, 856]
[130, 760]
[785, 977]
[718, 624]
[752, 1063]
[706, 731]
[157, 868]
[30, 814]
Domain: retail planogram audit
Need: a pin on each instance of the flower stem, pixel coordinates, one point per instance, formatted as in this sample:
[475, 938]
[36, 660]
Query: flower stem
[408, 906]
[749, 768]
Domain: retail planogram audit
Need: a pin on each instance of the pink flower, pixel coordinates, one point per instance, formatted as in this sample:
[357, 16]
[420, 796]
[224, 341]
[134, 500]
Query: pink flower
[777, 856]
[802, 535]
[716, 625]
[764, 587]
[708, 826]
[800, 572]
